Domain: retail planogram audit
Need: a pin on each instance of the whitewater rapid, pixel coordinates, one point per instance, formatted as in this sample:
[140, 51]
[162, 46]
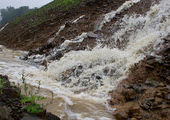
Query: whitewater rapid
[82, 79]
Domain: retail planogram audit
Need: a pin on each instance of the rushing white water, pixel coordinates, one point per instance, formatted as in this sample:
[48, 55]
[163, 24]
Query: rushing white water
[63, 26]
[81, 79]
[76, 20]
[109, 16]
[75, 40]
[3, 27]
[60, 29]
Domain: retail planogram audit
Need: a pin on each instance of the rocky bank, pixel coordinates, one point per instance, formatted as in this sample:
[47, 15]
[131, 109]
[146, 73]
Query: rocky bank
[11, 107]
[145, 94]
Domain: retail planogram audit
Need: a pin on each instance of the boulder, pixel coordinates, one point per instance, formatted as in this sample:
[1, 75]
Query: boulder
[4, 113]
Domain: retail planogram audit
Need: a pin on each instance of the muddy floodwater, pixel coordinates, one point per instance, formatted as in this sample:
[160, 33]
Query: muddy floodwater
[81, 80]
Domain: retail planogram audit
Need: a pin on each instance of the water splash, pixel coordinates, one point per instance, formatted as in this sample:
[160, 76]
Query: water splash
[60, 29]
[63, 26]
[76, 20]
[81, 77]
[109, 16]
[97, 71]
[78, 39]
[4, 27]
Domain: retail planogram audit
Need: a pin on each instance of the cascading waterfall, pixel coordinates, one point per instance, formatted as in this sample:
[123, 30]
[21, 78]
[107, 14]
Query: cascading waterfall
[82, 79]
[109, 16]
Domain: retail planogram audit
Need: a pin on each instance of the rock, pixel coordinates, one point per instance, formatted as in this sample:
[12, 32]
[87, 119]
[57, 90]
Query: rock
[106, 71]
[98, 77]
[45, 63]
[161, 85]
[80, 67]
[68, 24]
[92, 35]
[156, 103]
[167, 38]
[159, 94]
[50, 116]
[168, 78]
[48, 46]
[134, 109]
[139, 88]
[25, 57]
[150, 60]
[149, 66]
[11, 93]
[121, 115]
[130, 94]
[31, 52]
[167, 96]
[30, 117]
[56, 56]
[50, 40]
[146, 105]
[4, 113]
[151, 82]
[128, 86]
[133, 119]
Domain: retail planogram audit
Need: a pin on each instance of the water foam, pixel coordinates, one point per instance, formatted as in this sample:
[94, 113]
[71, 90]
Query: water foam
[99, 70]
[89, 75]
[4, 27]
[109, 16]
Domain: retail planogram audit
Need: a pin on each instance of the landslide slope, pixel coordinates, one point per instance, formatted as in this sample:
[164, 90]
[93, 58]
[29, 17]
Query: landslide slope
[34, 28]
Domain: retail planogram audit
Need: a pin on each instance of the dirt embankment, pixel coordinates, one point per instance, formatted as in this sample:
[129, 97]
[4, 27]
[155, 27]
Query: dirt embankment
[11, 107]
[93, 12]
[145, 94]
[21, 37]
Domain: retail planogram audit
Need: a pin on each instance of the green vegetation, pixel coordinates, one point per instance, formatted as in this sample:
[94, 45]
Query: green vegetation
[29, 101]
[2, 85]
[11, 13]
[38, 16]
[61, 3]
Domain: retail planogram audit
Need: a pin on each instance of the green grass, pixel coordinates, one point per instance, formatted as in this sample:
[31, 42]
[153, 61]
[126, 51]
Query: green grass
[38, 16]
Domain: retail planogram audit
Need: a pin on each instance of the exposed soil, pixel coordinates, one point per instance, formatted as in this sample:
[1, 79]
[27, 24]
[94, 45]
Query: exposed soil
[11, 106]
[145, 94]
[113, 26]
[88, 23]
[19, 37]
[10, 102]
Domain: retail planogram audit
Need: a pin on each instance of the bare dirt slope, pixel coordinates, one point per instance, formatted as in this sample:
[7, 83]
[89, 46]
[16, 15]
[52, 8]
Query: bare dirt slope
[20, 37]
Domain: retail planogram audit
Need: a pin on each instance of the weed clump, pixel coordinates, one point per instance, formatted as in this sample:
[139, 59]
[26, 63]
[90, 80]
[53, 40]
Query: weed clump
[29, 99]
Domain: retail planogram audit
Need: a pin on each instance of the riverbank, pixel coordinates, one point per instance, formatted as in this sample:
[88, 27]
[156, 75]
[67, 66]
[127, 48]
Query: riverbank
[88, 51]
[12, 107]
[145, 94]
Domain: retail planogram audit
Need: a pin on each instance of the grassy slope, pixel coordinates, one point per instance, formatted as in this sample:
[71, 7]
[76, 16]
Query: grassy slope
[38, 16]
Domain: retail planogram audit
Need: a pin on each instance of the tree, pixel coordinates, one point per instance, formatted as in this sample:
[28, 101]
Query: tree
[11, 13]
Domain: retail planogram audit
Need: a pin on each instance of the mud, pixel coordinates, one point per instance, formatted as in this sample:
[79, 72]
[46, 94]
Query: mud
[144, 95]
